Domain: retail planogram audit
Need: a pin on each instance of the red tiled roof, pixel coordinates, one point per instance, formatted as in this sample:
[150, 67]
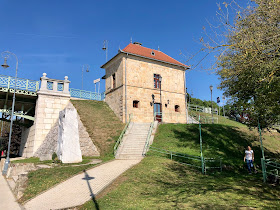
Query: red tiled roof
[147, 52]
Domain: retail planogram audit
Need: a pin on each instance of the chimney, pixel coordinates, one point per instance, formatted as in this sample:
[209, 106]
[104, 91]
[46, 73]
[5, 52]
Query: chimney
[138, 43]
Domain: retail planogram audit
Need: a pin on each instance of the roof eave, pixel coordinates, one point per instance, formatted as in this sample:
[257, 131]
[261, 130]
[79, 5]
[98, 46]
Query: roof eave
[110, 60]
[121, 51]
[184, 66]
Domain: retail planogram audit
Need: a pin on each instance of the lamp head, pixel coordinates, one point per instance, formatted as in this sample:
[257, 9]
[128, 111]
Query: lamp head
[5, 65]
[211, 87]
[160, 78]
[87, 70]
[104, 45]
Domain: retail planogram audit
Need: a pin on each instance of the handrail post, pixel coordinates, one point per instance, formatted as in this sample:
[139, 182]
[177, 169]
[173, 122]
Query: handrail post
[37, 85]
[204, 166]
[200, 141]
[263, 169]
[9, 80]
[26, 87]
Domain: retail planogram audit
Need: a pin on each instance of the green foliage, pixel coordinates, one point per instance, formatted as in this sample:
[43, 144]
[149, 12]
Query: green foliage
[199, 102]
[32, 160]
[55, 158]
[249, 67]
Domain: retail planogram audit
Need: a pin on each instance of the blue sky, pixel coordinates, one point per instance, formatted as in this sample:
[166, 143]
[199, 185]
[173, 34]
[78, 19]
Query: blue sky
[59, 36]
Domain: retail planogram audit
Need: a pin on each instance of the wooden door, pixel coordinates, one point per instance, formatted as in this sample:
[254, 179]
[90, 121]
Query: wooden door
[157, 111]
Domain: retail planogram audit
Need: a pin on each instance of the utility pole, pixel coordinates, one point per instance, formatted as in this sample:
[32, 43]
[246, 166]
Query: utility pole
[105, 48]
[224, 105]
[5, 65]
[211, 89]
[87, 70]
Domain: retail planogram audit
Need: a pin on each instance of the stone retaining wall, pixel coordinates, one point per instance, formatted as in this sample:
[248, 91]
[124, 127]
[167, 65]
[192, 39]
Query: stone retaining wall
[49, 145]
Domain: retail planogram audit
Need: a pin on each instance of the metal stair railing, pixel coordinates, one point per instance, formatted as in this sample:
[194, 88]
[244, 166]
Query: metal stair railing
[270, 168]
[191, 160]
[147, 143]
[119, 141]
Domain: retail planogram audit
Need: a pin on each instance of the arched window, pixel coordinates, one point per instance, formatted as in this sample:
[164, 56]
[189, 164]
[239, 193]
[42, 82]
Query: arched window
[135, 104]
[177, 108]
[114, 80]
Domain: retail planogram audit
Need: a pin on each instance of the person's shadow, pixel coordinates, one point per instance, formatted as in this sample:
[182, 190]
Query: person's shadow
[87, 178]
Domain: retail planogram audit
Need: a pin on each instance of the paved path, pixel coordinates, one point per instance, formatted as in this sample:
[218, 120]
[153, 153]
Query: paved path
[81, 188]
[7, 199]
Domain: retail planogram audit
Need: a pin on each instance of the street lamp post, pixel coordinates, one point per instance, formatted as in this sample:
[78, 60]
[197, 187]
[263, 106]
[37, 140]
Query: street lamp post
[160, 79]
[87, 70]
[224, 105]
[191, 95]
[5, 65]
[105, 48]
[211, 89]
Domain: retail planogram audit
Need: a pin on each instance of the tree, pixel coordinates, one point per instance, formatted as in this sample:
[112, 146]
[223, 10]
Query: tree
[249, 62]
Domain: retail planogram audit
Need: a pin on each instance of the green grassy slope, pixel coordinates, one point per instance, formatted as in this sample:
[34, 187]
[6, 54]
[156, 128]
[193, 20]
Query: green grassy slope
[160, 183]
[101, 123]
[219, 140]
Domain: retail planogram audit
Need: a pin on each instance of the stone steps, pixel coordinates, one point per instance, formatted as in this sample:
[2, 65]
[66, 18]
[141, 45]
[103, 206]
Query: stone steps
[134, 141]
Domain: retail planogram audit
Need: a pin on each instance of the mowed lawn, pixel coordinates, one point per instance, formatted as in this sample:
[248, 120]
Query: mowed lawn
[160, 183]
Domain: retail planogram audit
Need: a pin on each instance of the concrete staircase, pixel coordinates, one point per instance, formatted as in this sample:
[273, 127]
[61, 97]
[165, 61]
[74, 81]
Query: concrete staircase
[134, 141]
[192, 120]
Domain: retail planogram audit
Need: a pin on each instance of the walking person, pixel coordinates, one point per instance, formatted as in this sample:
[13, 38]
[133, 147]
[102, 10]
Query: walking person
[249, 158]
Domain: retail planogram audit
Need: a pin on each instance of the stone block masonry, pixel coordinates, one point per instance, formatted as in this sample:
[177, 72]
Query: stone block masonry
[130, 80]
[42, 135]
[49, 145]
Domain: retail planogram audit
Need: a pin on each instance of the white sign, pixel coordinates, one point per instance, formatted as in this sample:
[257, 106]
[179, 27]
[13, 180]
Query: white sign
[97, 80]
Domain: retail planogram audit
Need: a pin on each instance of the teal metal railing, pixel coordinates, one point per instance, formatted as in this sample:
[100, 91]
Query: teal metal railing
[83, 94]
[190, 160]
[195, 161]
[22, 84]
[119, 141]
[204, 119]
[270, 168]
[147, 144]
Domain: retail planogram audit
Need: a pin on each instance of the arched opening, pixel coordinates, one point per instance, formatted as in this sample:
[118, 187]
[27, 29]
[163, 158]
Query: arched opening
[136, 104]
[177, 108]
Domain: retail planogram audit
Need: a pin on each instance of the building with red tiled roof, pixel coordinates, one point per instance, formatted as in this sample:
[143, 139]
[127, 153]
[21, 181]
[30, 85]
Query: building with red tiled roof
[145, 83]
[138, 50]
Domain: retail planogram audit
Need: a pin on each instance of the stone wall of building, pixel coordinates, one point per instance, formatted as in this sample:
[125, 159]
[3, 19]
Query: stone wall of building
[115, 100]
[116, 68]
[140, 87]
[115, 96]
[145, 110]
